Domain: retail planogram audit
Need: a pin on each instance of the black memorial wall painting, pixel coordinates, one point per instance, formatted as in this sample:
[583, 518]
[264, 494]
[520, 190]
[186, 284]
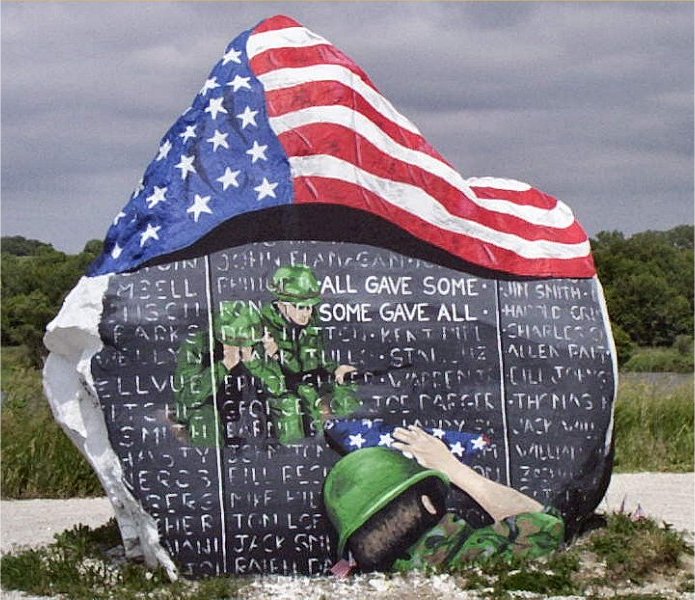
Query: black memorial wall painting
[299, 261]
[525, 362]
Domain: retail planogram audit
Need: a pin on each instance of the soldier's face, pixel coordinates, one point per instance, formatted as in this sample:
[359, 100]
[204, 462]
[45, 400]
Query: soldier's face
[299, 315]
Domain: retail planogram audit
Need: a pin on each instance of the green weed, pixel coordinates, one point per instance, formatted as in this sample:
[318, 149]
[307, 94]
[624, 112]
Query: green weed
[632, 550]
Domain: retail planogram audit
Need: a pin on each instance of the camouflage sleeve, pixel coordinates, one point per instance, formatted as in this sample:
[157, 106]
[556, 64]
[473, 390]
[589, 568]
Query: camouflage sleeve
[193, 374]
[530, 535]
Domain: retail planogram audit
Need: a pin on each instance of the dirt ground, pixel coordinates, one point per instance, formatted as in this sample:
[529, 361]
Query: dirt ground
[668, 497]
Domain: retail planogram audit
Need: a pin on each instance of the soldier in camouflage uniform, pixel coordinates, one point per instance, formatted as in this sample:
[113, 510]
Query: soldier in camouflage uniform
[390, 510]
[236, 329]
[312, 388]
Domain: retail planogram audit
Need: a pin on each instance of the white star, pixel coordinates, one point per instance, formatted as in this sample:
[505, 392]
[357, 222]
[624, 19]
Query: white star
[257, 152]
[138, 188]
[218, 139]
[231, 55]
[438, 433]
[248, 117]
[239, 82]
[229, 178]
[200, 205]
[149, 234]
[479, 443]
[215, 106]
[118, 217]
[357, 440]
[164, 150]
[385, 440]
[368, 423]
[266, 189]
[116, 252]
[186, 165]
[189, 133]
[457, 449]
[210, 84]
[156, 197]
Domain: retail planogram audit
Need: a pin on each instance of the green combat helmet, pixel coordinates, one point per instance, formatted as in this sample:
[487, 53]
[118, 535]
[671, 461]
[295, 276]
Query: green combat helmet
[362, 483]
[297, 285]
[238, 325]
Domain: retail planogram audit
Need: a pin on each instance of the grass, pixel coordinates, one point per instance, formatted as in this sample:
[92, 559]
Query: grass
[654, 426]
[611, 560]
[38, 459]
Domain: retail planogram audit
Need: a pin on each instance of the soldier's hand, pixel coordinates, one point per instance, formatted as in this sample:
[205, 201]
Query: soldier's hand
[428, 451]
[341, 371]
[269, 345]
[231, 357]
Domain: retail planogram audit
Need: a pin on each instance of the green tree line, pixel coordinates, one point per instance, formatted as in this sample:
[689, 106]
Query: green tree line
[647, 279]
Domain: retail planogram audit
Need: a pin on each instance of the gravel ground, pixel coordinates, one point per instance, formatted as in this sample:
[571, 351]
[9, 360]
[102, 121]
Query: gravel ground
[668, 497]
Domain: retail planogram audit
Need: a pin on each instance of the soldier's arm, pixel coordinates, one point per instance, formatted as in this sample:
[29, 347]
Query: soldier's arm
[498, 500]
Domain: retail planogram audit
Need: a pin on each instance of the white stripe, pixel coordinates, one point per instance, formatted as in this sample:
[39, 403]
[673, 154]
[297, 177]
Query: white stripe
[559, 217]
[503, 392]
[290, 37]
[416, 201]
[284, 78]
[497, 182]
[218, 451]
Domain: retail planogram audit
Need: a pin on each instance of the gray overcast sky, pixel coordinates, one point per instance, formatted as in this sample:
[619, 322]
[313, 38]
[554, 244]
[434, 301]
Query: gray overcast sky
[590, 102]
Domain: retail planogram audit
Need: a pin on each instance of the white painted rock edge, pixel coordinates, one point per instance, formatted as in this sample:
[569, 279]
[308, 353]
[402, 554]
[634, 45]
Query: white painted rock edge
[73, 339]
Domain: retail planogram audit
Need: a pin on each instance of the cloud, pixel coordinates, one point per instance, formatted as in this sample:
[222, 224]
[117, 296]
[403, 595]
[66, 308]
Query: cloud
[588, 101]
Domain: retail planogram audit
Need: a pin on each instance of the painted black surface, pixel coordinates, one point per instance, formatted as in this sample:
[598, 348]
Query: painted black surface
[525, 362]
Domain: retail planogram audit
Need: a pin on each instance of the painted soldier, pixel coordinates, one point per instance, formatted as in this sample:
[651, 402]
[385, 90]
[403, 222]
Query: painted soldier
[389, 510]
[204, 367]
[313, 387]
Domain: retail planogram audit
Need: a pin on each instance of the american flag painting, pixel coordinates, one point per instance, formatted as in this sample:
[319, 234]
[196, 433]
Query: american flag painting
[286, 118]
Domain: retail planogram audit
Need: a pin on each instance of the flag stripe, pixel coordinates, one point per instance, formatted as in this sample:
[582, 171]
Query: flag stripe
[289, 37]
[560, 217]
[284, 78]
[418, 203]
[326, 93]
[468, 248]
[306, 56]
[510, 189]
[344, 144]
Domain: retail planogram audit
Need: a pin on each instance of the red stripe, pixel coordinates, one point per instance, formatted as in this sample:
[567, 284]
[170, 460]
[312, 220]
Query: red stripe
[324, 54]
[344, 143]
[532, 197]
[276, 22]
[331, 93]
[331, 191]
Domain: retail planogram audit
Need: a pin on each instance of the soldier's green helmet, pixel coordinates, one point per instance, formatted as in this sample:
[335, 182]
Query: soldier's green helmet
[238, 324]
[363, 482]
[296, 284]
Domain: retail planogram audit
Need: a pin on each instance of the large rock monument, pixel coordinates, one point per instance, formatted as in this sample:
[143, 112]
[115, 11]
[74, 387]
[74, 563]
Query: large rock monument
[297, 255]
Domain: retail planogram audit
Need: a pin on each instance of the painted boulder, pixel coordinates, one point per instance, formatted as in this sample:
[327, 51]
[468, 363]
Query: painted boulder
[298, 273]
